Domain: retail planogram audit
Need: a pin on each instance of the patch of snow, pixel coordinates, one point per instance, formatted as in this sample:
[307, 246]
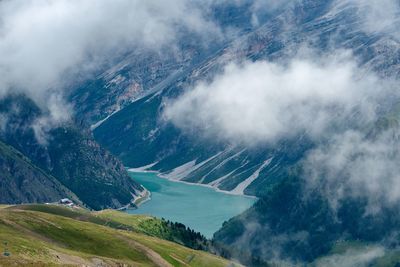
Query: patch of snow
[115, 81]
[218, 181]
[181, 171]
[151, 135]
[222, 163]
[184, 170]
[143, 168]
[239, 189]
[97, 124]
[158, 88]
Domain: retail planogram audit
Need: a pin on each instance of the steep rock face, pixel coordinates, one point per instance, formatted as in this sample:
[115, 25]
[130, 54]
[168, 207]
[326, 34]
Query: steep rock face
[140, 71]
[137, 74]
[23, 182]
[90, 171]
[68, 153]
[134, 76]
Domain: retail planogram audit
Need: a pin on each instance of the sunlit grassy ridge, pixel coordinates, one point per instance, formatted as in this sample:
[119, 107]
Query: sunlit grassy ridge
[43, 235]
[152, 226]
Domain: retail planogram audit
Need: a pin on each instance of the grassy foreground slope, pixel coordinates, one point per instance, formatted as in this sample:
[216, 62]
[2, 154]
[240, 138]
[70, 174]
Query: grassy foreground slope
[42, 235]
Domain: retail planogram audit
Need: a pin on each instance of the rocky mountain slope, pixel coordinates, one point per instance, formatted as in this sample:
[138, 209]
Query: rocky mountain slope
[234, 167]
[68, 154]
[140, 72]
[23, 182]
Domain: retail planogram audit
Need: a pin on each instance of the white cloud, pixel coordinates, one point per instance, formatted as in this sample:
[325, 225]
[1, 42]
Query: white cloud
[44, 44]
[262, 101]
[330, 99]
[352, 257]
[352, 165]
[375, 16]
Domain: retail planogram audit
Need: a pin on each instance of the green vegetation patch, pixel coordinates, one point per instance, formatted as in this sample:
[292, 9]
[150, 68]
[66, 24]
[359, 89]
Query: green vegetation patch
[48, 235]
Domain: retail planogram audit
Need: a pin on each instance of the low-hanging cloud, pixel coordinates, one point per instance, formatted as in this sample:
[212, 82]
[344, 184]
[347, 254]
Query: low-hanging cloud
[376, 16]
[255, 102]
[46, 44]
[352, 257]
[352, 164]
[333, 101]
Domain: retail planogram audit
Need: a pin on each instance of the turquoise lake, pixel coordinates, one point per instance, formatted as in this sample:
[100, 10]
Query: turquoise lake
[198, 207]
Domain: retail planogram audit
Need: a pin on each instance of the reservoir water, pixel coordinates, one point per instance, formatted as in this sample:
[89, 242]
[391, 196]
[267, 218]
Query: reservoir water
[198, 207]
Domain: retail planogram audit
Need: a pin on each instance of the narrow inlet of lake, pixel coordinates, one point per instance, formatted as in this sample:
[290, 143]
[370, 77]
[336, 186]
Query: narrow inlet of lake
[198, 207]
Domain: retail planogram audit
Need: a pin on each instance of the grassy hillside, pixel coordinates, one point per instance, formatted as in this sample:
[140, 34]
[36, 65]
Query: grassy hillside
[41, 235]
[163, 229]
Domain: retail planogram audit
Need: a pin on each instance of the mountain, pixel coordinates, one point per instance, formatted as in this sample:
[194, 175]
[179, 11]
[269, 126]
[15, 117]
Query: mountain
[141, 127]
[230, 166]
[298, 223]
[43, 235]
[69, 154]
[282, 223]
[340, 212]
[140, 71]
[23, 182]
[286, 227]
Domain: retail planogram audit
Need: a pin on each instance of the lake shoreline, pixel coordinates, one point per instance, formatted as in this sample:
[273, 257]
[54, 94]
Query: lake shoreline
[159, 174]
[137, 201]
[201, 208]
[143, 198]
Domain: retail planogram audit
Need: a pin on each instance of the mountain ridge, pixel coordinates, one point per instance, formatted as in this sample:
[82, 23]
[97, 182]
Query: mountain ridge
[70, 155]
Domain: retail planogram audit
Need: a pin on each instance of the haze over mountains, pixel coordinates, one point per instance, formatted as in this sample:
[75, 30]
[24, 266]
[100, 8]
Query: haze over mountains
[295, 102]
